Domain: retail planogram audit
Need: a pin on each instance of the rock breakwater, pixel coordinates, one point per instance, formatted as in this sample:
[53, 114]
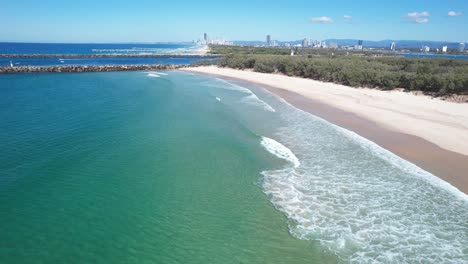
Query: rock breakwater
[97, 68]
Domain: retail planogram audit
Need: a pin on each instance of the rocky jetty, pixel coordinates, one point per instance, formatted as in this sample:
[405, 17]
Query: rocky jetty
[98, 68]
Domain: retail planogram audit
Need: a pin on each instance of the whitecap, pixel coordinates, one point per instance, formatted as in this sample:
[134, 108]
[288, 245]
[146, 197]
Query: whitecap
[234, 87]
[218, 99]
[279, 150]
[158, 73]
[254, 100]
[153, 75]
[250, 99]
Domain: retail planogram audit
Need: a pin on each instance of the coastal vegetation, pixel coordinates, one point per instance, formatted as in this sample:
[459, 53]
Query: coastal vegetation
[438, 77]
[249, 50]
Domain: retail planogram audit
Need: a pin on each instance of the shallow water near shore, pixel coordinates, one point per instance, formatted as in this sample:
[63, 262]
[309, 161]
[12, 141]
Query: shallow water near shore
[171, 167]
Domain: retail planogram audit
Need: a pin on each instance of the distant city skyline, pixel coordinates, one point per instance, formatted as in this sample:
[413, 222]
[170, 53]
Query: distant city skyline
[147, 21]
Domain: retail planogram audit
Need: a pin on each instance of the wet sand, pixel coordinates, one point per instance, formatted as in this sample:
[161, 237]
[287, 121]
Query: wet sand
[447, 165]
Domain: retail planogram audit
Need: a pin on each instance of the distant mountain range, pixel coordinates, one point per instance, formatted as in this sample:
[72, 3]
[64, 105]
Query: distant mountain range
[401, 44]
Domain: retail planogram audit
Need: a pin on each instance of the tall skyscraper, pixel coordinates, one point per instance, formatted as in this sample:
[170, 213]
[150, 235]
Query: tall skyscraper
[359, 45]
[393, 46]
[461, 47]
[205, 37]
[305, 43]
[268, 40]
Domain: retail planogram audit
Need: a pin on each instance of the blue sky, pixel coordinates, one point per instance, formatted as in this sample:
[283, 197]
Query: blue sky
[160, 21]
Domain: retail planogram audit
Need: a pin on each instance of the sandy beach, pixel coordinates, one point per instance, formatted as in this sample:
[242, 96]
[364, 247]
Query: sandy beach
[429, 132]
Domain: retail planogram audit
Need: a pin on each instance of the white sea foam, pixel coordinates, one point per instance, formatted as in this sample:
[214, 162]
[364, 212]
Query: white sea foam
[158, 73]
[279, 150]
[218, 99]
[402, 164]
[251, 98]
[360, 201]
[231, 86]
[254, 100]
[153, 75]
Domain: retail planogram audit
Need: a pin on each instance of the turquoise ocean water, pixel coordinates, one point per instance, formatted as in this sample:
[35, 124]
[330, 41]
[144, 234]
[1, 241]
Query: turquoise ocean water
[171, 167]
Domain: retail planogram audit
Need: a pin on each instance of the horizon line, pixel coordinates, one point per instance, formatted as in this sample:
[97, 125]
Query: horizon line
[180, 42]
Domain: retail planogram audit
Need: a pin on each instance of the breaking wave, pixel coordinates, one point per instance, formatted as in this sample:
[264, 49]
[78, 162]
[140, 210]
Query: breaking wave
[279, 150]
[360, 201]
[158, 73]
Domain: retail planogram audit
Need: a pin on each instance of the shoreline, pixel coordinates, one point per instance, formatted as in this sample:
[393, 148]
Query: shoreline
[444, 163]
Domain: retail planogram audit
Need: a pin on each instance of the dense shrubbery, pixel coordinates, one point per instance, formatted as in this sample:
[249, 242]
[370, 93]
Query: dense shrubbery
[239, 50]
[436, 76]
[208, 62]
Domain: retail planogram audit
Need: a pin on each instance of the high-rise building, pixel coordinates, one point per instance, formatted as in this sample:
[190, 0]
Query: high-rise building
[426, 48]
[461, 47]
[268, 40]
[305, 43]
[393, 46]
[444, 49]
[359, 45]
[205, 37]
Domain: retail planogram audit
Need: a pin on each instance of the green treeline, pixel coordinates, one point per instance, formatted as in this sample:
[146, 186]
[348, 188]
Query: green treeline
[433, 76]
[244, 50]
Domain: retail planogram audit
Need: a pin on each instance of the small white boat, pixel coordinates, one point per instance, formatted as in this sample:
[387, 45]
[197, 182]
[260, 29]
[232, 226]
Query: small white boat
[11, 64]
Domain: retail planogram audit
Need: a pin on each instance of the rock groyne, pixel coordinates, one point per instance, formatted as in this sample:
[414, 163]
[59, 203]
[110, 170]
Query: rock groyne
[96, 68]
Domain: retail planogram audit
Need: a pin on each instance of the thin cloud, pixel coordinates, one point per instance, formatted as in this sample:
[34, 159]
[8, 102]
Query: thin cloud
[347, 17]
[418, 17]
[454, 14]
[323, 20]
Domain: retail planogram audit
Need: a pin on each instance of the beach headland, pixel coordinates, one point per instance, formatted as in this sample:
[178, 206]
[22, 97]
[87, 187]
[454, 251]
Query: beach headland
[428, 132]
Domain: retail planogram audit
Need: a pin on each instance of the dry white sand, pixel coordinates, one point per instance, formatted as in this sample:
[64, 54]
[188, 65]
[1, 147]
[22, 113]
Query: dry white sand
[440, 122]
